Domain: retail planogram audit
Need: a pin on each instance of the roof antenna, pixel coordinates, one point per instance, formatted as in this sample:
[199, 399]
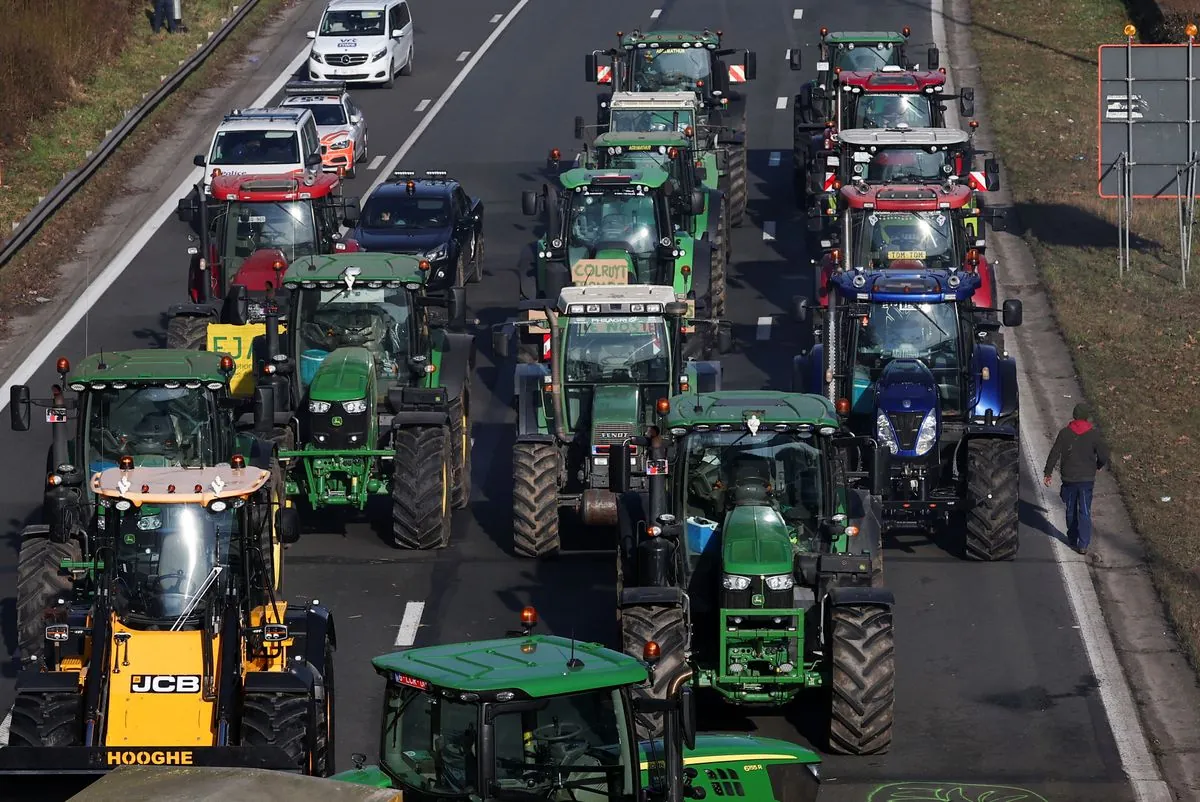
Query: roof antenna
[574, 662]
[102, 365]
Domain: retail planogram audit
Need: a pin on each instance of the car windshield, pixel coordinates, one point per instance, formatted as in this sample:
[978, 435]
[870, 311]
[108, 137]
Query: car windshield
[167, 555]
[891, 239]
[853, 57]
[892, 111]
[288, 225]
[618, 350]
[157, 426]
[373, 318]
[405, 213]
[352, 23]
[639, 121]
[907, 165]
[330, 113]
[670, 68]
[234, 148]
[622, 221]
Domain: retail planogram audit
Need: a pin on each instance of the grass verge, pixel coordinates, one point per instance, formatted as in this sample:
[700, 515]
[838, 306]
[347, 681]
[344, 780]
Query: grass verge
[60, 141]
[1135, 341]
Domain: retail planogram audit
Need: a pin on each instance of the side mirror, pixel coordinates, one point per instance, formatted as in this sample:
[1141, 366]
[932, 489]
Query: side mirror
[800, 308]
[618, 467]
[397, 33]
[312, 160]
[991, 171]
[794, 59]
[1012, 313]
[697, 201]
[287, 525]
[724, 338]
[529, 202]
[751, 64]
[589, 65]
[184, 210]
[881, 471]
[198, 160]
[934, 57]
[351, 211]
[966, 102]
[998, 219]
[500, 338]
[310, 34]
[687, 717]
[355, 119]
[18, 407]
[675, 309]
[456, 306]
[579, 127]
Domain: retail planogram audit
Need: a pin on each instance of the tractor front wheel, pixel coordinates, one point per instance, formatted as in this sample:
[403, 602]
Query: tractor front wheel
[46, 719]
[667, 627]
[535, 499]
[862, 680]
[460, 439]
[40, 583]
[422, 484]
[188, 333]
[739, 186]
[280, 721]
[993, 476]
[720, 267]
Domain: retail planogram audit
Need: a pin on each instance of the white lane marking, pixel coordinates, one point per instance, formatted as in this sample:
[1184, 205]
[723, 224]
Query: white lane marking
[654, 14]
[773, 159]
[463, 55]
[4, 728]
[497, 18]
[764, 328]
[787, 54]
[769, 231]
[798, 14]
[410, 623]
[374, 165]
[108, 276]
[424, 104]
[781, 103]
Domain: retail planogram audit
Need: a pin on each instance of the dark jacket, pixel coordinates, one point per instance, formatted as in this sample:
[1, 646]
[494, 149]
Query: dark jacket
[1081, 450]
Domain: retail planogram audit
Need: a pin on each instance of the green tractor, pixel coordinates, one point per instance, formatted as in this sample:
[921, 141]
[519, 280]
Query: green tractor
[617, 354]
[542, 717]
[153, 407]
[753, 558]
[369, 391]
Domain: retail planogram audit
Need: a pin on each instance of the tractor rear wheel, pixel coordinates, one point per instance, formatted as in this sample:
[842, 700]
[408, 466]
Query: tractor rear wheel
[46, 719]
[422, 484]
[666, 627]
[281, 721]
[460, 440]
[993, 476]
[535, 499]
[188, 333]
[40, 583]
[739, 186]
[862, 681]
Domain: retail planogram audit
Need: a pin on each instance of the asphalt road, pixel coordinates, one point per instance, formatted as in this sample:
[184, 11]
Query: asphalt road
[994, 688]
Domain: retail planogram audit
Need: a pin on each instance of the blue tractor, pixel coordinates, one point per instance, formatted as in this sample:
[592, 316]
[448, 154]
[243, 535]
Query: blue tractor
[905, 357]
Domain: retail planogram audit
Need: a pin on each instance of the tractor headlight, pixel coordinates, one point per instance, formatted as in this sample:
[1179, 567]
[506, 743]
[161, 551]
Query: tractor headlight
[355, 407]
[734, 582]
[341, 144]
[380, 54]
[318, 406]
[440, 252]
[780, 582]
[885, 434]
[927, 434]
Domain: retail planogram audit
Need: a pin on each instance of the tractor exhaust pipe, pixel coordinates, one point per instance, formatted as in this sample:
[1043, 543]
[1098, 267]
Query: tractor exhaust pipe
[202, 294]
[555, 389]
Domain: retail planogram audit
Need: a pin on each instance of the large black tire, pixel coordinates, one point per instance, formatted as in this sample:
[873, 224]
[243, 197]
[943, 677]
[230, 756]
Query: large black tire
[460, 270]
[719, 270]
[460, 441]
[188, 333]
[323, 759]
[993, 476]
[40, 583]
[46, 719]
[667, 627]
[281, 721]
[862, 681]
[739, 183]
[535, 499]
[422, 485]
[477, 262]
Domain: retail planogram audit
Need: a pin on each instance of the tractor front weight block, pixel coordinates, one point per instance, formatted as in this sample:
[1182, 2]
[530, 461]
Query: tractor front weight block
[598, 507]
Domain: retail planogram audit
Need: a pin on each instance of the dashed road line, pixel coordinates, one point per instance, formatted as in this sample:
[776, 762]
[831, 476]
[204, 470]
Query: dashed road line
[798, 13]
[374, 165]
[410, 623]
[654, 14]
[787, 54]
[781, 103]
[424, 104]
[4, 729]
[764, 328]
[769, 231]
[497, 18]
[463, 55]
[773, 159]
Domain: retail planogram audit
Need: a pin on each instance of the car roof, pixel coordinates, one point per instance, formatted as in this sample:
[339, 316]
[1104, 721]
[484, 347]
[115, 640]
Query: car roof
[358, 5]
[265, 119]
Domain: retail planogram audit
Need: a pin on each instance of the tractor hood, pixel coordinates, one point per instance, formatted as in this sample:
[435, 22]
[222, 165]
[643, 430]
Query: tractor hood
[387, 240]
[725, 755]
[906, 386]
[755, 542]
[259, 269]
[344, 375]
[616, 413]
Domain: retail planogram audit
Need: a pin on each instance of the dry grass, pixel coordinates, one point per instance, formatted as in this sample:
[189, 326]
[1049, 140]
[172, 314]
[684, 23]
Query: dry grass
[1135, 341]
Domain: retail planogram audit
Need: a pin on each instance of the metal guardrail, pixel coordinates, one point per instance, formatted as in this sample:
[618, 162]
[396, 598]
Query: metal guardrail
[73, 182]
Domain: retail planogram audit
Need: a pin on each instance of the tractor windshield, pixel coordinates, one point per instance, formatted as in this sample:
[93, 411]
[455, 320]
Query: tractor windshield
[928, 332]
[169, 558]
[782, 470]
[630, 350]
[430, 744]
[375, 318]
[908, 165]
[641, 121]
[905, 240]
[157, 426]
[249, 226]
[616, 220]
[671, 68]
[869, 57]
[892, 111]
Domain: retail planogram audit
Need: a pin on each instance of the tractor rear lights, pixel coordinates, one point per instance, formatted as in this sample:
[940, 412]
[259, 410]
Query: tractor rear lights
[905, 31]
[973, 258]
[54, 480]
[423, 265]
[555, 154]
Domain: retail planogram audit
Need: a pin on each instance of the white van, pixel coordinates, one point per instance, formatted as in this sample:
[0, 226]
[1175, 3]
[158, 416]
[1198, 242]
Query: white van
[279, 141]
[366, 41]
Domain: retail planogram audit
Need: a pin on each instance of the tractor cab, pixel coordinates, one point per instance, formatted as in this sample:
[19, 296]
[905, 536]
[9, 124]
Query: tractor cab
[860, 51]
[892, 98]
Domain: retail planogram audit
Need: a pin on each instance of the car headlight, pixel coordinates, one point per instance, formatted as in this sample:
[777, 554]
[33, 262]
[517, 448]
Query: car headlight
[317, 57]
[885, 434]
[318, 406]
[355, 407]
[780, 582]
[440, 252]
[379, 55]
[341, 144]
[927, 434]
[734, 582]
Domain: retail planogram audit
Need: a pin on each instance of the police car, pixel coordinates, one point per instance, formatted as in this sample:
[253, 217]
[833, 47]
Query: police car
[366, 41]
[279, 141]
[341, 125]
[432, 218]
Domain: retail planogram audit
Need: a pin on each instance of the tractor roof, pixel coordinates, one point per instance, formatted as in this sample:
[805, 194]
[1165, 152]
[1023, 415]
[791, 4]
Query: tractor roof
[143, 485]
[651, 177]
[149, 366]
[535, 665]
[901, 137]
[907, 198]
[735, 406]
[647, 139]
[866, 37]
[898, 286]
[274, 188]
[615, 299]
[654, 101]
[702, 39]
[364, 267]
[893, 79]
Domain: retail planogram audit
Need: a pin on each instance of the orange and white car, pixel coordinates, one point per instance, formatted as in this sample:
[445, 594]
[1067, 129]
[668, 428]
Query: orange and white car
[341, 125]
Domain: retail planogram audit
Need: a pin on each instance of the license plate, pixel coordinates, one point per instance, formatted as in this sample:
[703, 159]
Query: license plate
[56, 415]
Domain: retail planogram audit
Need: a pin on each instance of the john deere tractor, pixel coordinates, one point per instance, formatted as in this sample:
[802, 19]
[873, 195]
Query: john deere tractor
[903, 357]
[370, 391]
[543, 717]
[753, 559]
[168, 646]
[615, 354]
[158, 407]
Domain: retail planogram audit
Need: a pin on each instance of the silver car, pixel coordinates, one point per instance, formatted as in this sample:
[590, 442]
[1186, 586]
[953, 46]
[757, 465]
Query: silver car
[341, 125]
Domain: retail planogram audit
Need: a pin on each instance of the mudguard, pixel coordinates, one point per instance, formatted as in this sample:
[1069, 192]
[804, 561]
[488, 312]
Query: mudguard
[656, 596]
[419, 406]
[1010, 399]
[47, 682]
[732, 765]
[457, 363]
[527, 386]
[315, 622]
[989, 392]
[194, 310]
[856, 596]
[702, 276]
[715, 212]
[708, 375]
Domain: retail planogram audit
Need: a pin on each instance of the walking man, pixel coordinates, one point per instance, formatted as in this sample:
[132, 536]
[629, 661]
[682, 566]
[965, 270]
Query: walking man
[1082, 453]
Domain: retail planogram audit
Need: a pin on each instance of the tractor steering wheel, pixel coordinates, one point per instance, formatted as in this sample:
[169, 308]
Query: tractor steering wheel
[558, 732]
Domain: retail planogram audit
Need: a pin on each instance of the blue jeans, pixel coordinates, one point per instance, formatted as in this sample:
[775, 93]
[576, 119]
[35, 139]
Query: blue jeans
[1078, 498]
[164, 13]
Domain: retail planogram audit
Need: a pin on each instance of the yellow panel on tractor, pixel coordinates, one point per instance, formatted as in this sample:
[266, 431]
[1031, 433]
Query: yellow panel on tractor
[238, 342]
[599, 272]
